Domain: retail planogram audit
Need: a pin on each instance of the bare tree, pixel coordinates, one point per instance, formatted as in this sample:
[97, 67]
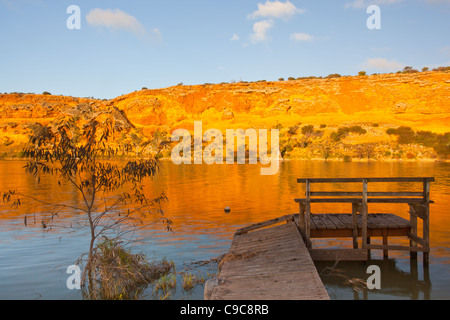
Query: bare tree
[114, 203]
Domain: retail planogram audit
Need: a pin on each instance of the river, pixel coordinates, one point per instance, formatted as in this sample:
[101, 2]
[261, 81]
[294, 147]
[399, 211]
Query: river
[33, 261]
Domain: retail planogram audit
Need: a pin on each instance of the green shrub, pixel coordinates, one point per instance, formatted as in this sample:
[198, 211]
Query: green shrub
[293, 130]
[426, 138]
[409, 70]
[405, 134]
[278, 126]
[342, 132]
[391, 131]
[287, 148]
[442, 146]
[362, 73]
[439, 142]
[357, 129]
[441, 69]
[308, 129]
[318, 133]
[335, 136]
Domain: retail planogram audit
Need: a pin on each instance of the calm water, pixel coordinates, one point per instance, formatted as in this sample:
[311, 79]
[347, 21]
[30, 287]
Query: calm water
[33, 263]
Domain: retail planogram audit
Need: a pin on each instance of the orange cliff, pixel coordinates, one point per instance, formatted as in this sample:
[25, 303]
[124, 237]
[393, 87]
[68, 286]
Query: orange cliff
[416, 100]
[419, 100]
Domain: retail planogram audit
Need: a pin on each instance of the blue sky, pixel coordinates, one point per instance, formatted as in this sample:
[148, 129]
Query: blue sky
[123, 46]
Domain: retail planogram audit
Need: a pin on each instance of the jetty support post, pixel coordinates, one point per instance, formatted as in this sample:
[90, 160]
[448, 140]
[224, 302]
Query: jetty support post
[364, 213]
[426, 221]
[308, 215]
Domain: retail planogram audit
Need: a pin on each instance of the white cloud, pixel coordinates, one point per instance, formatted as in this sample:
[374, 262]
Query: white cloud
[117, 20]
[382, 64]
[260, 31]
[157, 33]
[235, 37]
[270, 11]
[301, 37]
[275, 9]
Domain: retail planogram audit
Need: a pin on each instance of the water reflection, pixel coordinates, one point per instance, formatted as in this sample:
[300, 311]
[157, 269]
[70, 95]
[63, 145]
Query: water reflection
[347, 279]
[202, 229]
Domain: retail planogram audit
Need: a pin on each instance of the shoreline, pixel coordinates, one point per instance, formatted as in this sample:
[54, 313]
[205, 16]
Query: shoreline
[280, 160]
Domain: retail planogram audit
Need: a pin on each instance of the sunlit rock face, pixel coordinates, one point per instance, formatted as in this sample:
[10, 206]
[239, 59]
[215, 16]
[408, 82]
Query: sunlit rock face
[376, 102]
[418, 100]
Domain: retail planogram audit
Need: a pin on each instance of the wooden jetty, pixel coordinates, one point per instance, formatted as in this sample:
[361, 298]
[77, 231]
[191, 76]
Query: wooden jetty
[269, 264]
[274, 260]
[362, 226]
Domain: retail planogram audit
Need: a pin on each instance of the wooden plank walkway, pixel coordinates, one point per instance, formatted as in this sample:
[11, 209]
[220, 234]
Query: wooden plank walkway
[269, 264]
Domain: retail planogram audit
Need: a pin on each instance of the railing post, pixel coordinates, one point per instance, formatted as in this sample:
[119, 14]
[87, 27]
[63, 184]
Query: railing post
[301, 219]
[364, 213]
[413, 221]
[355, 225]
[426, 220]
[308, 214]
[385, 243]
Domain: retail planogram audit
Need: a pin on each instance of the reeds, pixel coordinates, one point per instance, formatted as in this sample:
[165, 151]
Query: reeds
[118, 274]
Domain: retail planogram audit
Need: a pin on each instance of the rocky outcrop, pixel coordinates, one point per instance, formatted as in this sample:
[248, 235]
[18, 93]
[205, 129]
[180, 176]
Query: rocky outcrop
[419, 100]
[416, 100]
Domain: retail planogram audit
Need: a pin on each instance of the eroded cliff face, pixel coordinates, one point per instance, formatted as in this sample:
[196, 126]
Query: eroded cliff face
[377, 102]
[419, 100]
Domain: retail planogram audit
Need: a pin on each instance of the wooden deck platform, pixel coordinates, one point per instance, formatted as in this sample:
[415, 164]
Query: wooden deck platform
[341, 225]
[269, 264]
[362, 225]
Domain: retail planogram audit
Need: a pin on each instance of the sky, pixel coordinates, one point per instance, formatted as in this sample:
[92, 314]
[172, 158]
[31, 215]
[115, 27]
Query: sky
[122, 46]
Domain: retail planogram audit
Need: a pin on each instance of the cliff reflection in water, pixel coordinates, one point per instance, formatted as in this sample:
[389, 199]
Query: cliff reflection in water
[202, 229]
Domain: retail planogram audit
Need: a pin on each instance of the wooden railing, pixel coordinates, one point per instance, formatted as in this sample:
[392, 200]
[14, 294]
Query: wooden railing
[418, 202]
